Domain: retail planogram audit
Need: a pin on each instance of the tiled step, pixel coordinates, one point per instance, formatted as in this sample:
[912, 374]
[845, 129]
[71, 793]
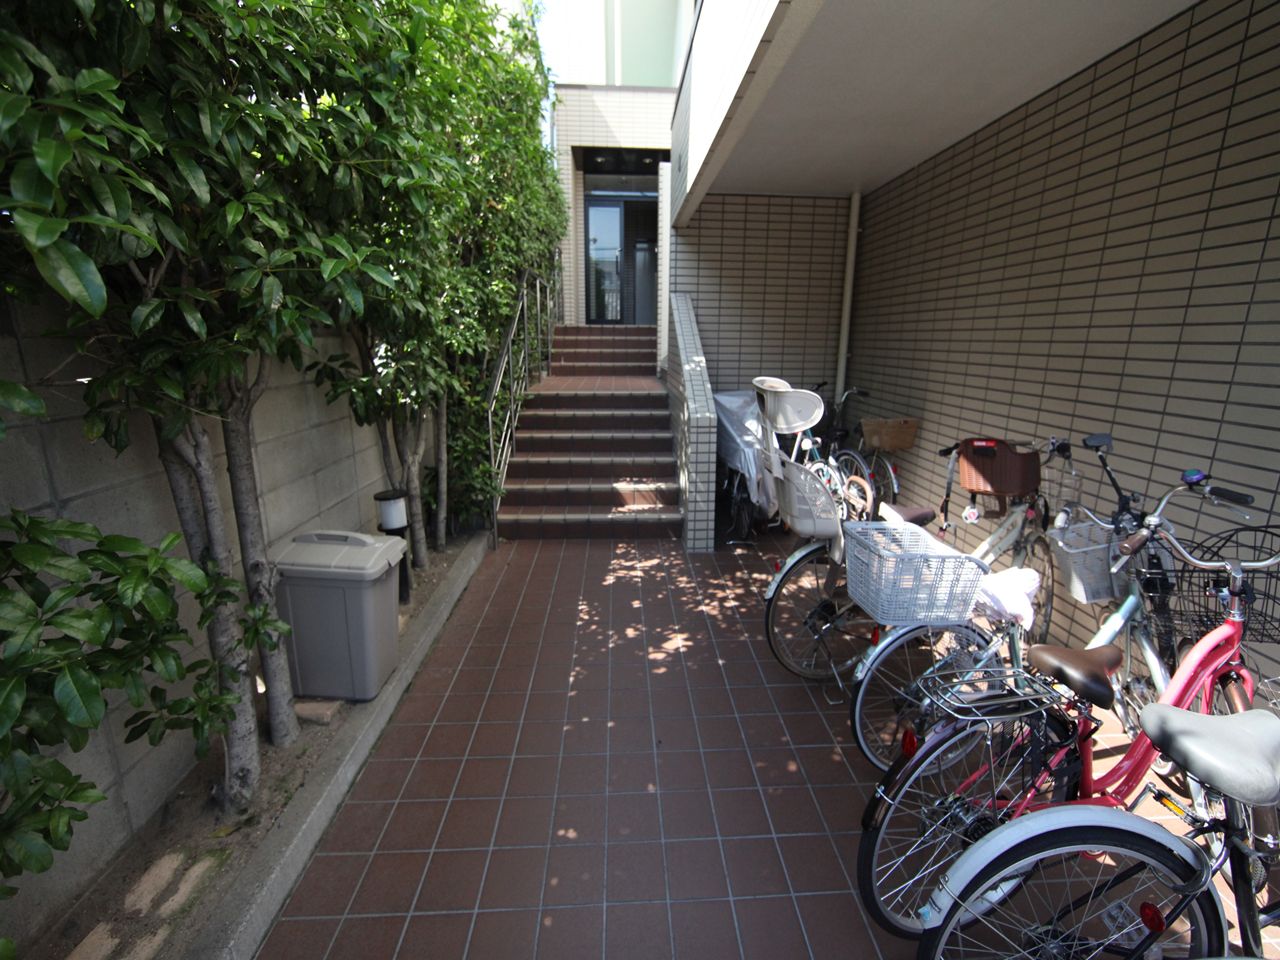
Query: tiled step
[559, 418]
[597, 441]
[606, 333]
[515, 523]
[550, 399]
[596, 466]
[583, 494]
[605, 354]
[561, 368]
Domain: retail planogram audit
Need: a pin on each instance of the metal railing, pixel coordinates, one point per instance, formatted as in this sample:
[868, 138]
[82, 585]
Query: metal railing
[525, 354]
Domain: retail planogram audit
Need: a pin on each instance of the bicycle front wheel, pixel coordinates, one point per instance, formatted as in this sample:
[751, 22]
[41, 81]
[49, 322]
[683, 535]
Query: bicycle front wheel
[1036, 555]
[960, 786]
[889, 698]
[1076, 893]
[812, 626]
[834, 482]
[852, 464]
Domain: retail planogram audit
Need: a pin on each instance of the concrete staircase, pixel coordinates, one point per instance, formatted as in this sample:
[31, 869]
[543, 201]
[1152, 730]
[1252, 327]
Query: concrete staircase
[593, 449]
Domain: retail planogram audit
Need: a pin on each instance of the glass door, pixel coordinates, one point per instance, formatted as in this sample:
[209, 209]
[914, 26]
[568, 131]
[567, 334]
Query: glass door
[604, 261]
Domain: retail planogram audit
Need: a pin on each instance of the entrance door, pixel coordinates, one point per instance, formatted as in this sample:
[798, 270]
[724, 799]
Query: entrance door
[622, 267]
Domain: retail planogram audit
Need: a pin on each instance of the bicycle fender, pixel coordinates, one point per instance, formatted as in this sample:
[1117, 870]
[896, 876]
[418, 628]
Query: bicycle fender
[1066, 818]
[790, 562]
[880, 804]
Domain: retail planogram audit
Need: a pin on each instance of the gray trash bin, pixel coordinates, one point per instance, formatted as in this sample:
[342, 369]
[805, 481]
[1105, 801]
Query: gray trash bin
[338, 593]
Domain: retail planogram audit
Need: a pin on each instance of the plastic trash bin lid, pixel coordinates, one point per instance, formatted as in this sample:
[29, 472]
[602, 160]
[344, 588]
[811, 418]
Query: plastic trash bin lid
[338, 555]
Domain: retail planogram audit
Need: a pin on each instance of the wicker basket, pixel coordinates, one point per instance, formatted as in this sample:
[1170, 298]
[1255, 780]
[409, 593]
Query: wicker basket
[806, 504]
[1085, 553]
[899, 575]
[993, 467]
[890, 434]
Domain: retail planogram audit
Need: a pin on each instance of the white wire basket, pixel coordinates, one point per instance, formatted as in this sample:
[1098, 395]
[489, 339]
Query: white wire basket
[1085, 553]
[900, 575]
[806, 504]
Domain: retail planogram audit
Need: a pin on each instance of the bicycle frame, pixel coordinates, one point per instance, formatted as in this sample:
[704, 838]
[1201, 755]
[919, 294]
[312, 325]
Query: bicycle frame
[1004, 536]
[1215, 656]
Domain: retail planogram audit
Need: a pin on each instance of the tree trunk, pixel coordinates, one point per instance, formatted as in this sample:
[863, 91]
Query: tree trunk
[259, 574]
[384, 446]
[411, 439]
[442, 469]
[243, 762]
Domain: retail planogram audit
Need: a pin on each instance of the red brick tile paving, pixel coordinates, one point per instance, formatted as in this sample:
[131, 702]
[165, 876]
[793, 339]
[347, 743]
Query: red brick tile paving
[600, 759]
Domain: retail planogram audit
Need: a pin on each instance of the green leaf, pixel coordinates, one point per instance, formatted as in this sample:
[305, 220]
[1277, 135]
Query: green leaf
[51, 156]
[379, 274]
[191, 312]
[87, 793]
[194, 176]
[13, 693]
[272, 294]
[33, 556]
[234, 213]
[351, 293]
[112, 196]
[21, 640]
[330, 268]
[38, 231]
[29, 851]
[68, 568]
[79, 624]
[79, 696]
[16, 397]
[187, 574]
[12, 107]
[146, 315]
[158, 603]
[29, 185]
[132, 585]
[166, 663]
[65, 267]
[94, 79]
[8, 949]
[129, 546]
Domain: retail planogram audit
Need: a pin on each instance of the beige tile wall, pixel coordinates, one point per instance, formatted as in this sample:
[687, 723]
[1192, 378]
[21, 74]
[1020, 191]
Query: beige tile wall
[764, 275]
[600, 117]
[1105, 257]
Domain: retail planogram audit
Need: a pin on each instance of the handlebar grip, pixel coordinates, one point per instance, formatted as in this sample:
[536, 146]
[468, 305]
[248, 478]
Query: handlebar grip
[947, 451]
[1230, 496]
[1131, 545]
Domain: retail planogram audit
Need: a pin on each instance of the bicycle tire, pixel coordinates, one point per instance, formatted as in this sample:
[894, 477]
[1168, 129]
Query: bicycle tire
[812, 633]
[1036, 554]
[885, 704]
[834, 482]
[932, 808]
[1133, 683]
[883, 478]
[741, 511]
[852, 464]
[1041, 898]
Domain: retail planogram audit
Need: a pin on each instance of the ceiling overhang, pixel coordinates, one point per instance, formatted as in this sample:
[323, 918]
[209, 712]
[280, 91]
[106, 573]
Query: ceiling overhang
[873, 87]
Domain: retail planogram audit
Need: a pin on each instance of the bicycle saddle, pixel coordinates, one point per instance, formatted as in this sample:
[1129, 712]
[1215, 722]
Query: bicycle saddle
[1237, 754]
[920, 516]
[1087, 672]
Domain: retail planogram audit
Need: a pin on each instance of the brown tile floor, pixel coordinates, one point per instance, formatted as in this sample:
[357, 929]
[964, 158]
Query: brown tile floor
[600, 758]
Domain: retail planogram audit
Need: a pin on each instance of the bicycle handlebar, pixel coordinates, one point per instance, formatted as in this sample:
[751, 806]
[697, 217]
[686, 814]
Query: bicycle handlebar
[1153, 525]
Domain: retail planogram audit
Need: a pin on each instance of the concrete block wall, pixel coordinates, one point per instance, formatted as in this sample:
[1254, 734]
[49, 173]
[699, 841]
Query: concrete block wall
[764, 275]
[592, 116]
[316, 469]
[693, 419]
[1104, 257]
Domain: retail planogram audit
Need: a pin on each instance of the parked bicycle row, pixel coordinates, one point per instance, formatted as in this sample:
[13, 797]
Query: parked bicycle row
[993, 833]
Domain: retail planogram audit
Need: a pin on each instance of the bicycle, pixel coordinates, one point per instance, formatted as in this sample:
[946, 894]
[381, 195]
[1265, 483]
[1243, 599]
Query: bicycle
[889, 700]
[878, 438]
[1081, 881]
[990, 467]
[1022, 741]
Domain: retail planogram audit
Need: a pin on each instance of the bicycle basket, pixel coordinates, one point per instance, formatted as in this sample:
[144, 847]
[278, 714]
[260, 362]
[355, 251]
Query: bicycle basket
[900, 574]
[1196, 604]
[994, 468]
[1084, 554]
[806, 504]
[890, 435]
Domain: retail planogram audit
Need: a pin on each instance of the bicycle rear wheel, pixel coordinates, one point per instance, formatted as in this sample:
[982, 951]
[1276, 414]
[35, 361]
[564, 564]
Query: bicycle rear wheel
[852, 464]
[889, 698]
[1076, 893]
[883, 479]
[812, 626]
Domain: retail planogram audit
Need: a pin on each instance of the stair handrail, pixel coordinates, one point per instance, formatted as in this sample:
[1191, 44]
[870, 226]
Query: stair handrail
[521, 354]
